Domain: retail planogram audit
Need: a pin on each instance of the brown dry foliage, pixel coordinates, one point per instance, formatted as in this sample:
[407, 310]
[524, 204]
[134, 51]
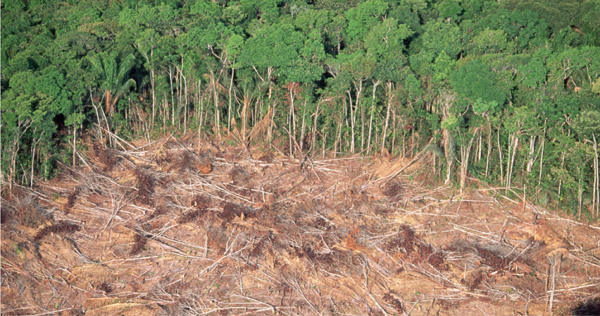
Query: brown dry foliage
[267, 157]
[491, 259]
[589, 307]
[405, 240]
[106, 157]
[191, 216]
[145, 186]
[71, 201]
[393, 189]
[185, 163]
[139, 242]
[205, 167]
[238, 175]
[5, 215]
[105, 287]
[475, 279]
[390, 299]
[160, 210]
[200, 202]
[62, 227]
[291, 241]
[231, 210]
[258, 248]
[351, 242]
[30, 216]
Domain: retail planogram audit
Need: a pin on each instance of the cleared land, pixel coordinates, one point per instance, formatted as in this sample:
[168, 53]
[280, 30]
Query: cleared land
[190, 228]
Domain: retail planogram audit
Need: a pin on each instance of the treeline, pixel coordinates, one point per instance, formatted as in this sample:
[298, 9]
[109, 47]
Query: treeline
[503, 91]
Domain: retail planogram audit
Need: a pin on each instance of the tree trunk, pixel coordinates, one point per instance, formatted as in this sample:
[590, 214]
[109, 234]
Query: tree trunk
[74, 142]
[33, 157]
[97, 115]
[464, 163]
[352, 120]
[290, 123]
[216, 102]
[172, 98]
[375, 84]
[509, 171]
[229, 108]
[542, 154]
[531, 157]
[448, 151]
[580, 194]
[338, 138]
[362, 114]
[201, 109]
[487, 160]
[314, 133]
[500, 156]
[387, 116]
[596, 190]
[185, 97]
[302, 129]
[244, 116]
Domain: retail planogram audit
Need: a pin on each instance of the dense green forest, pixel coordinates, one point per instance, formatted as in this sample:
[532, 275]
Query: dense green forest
[504, 91]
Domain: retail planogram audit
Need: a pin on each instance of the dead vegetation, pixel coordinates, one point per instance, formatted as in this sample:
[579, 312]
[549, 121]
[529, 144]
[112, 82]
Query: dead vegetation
[171, 229]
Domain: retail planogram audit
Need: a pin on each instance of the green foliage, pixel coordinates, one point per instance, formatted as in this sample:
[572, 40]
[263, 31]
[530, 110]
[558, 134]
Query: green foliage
[516, 75]
[476, 84]
[587, 124]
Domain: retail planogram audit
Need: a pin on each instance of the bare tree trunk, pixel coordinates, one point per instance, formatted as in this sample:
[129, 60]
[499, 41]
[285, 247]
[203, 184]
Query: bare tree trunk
[290, 123]
[511, 162]
[542, 155]
[479, 147]
[448, 150]
[96, 109]
[324, 144]
[487, 160]
[375, 84]
[395, 130]
[229, 109]
[314, 133]
[201, 109]
[362, 113]
[500, 156]
[185, 97]
[270, 136]
[596, 190]
[464, 163]
[302, 129]
[244, 116]
[216, 103]
[531, 157]
[339, 139]
[387, 115]
[172, 98]
[352, 119]
[74, 142]
[580, 194]
[33, 158]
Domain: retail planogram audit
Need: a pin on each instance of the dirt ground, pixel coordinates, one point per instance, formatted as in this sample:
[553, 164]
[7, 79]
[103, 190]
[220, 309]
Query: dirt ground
[187, 227]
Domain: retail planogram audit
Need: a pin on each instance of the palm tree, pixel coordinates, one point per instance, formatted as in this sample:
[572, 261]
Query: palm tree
[114, 79]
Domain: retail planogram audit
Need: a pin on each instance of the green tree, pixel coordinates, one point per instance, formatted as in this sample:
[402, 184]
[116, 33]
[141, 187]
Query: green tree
[113, 77]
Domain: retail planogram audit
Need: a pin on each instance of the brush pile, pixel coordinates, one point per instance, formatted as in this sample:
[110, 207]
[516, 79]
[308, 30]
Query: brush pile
[190, 228]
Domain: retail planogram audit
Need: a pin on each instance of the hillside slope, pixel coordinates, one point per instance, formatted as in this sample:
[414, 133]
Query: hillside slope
[190, 228]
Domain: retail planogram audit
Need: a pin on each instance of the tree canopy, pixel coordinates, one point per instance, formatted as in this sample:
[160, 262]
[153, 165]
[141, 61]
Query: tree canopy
[502, 89]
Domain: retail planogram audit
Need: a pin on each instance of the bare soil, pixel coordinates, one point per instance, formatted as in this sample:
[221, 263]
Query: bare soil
[191, 228]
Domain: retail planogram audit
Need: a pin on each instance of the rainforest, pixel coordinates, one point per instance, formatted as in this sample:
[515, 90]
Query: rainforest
[505, 91]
